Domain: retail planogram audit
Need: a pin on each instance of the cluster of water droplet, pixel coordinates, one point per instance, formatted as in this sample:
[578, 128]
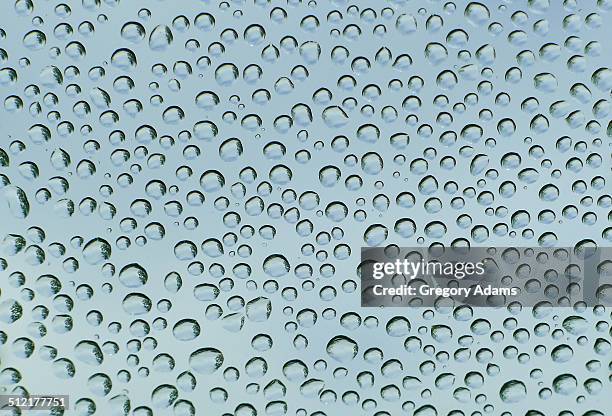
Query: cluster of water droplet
[185, 188]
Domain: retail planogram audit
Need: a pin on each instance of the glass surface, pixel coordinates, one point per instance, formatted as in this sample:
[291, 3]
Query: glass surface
[186, 187]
